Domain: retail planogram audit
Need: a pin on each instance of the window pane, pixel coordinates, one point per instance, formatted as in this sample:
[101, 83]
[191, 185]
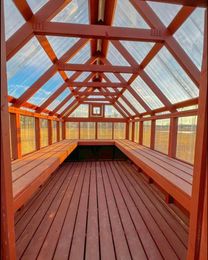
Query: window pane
[136, 132]
[87, 130]
[162, 128]
[54, 132]
[130, 131]
[119, 130]
[105, 131]
[146, 133]
[81, 111]
[27, 133]
[110, 111]
[43, 132]
[186, 138]
[72, 130]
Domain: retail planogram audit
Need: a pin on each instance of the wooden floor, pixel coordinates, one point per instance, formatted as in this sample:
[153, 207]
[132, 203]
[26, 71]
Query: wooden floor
[99, 210]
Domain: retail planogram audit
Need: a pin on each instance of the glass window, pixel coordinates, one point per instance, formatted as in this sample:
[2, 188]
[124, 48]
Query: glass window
[136, 132]
[119, 130]
[25, 67]
[104, 130]
[186, 137]
[172, 80]
[111, 112]
[162, 128]
[54, 131]
[130, 131]
[146, 133]
[43, 132]
[87, 130]
[27, 134]
[72, 130]
[190, 36]
[81, 111]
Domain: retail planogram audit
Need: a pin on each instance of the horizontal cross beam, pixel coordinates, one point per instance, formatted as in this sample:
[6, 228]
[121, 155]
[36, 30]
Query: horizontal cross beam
[98, 32]
[97, 84]
[195, 3]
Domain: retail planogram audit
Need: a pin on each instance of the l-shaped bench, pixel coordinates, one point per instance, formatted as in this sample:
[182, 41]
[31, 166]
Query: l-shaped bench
[30, 172]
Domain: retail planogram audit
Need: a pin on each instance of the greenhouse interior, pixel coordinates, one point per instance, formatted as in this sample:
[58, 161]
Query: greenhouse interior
[104, 129]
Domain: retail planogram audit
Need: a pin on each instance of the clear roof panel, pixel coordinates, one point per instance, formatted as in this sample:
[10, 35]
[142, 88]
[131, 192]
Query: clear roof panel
[59, 99]
[82, 76]
[134, 102]
[170, 77]
[131, 112]
[165, 12]
[82, 89]
[61, 45]
[115, 57]
[35, 5]
[13, 18]
[82, 56]
[24, 68]
[142, 89]
[112, 77]
[46, 90]
[80, 111]
[111, 112]
[190, 36]
[75, 12]
[66, 105]
[92, 96]
[138, 50]
[69, 73]
[126, 76]
[127, 16]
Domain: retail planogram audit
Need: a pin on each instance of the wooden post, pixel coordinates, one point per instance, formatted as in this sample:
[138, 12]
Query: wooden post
[127, 130]
[200, 175]
[96, 130]
[15, 136]
[152, 137]
[58, 131]
[49, 132]
[37, 133]
[141, 132]
[133, 131]
[63, 130]
[173, 137]
[79, 130]
[7, 209]
[113, 125]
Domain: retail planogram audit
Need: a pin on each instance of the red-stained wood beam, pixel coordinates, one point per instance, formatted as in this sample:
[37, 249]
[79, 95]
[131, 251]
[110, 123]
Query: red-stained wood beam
[99, 32]
[95, 119]
[24, 9]
[97, 84]
[70, 109]
[171, 44]
[8, 250]
[37, 133]
[123, 108]
[200, 173]
[195, 3]
[130, 105]
[93, 18]
[78, 93]
[25, 33]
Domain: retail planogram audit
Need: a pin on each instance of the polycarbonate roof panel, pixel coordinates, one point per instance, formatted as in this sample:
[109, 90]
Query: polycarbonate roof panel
[142, 89]
[138, 50]
[165, 12]
[59, 99]
[111, 90]
[131, 112]
[66, 105]
[111, 112]
[190, 36]
[13, 18]
[82, 76]
[25, 67]
[82, 56]
[134, 102]
[112, 77]
[35, 5]
[46, 90]
[82, 89]
[61, 45]
[81, 111]
[75, 12]
[171, 78]
[115, 57]
[92, 96]
[126, 76]
[69, 73]
[127, 16]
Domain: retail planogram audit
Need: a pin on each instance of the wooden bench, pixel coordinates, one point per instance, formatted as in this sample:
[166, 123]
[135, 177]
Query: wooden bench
[172, 175]
[33, 169]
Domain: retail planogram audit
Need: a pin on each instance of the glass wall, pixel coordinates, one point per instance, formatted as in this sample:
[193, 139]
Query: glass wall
[186, 138]
[27, 133]
[136, 132]
[162, 128]
[54, 132]
[146, 133]
[43, 132]
[72, 130]
[104, 130]
[119, 130]
[87, 130]
[130, 131]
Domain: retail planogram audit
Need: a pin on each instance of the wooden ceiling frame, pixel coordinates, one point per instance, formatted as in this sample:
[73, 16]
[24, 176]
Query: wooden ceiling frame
[195, 3]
